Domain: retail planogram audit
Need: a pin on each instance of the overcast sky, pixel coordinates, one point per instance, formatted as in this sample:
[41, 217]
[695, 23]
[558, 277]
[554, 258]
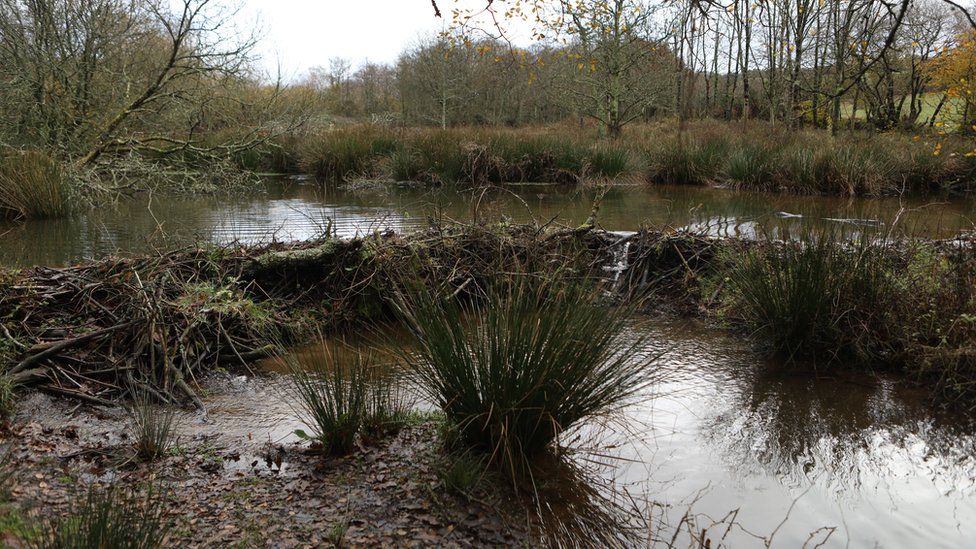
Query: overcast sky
[304, 33]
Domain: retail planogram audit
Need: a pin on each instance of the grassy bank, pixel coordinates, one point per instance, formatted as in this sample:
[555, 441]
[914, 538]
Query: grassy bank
[754, 155]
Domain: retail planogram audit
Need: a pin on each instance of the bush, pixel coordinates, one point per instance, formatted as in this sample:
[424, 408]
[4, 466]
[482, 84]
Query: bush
[115, 518]
[530, 361]
[33, 186]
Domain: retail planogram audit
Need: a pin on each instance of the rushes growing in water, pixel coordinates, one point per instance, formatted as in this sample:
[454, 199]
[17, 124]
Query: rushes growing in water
[340, 399]
[152, 426]
[816, 299]
[532, 360]
[33, 185]
[113, 518]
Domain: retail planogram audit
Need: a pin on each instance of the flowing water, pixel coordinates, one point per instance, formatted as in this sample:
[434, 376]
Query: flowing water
[857, 456]
[295, 209]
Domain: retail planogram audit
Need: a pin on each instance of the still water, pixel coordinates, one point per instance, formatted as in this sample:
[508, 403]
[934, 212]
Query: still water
[295, 209]
[858, 457]
[851, 460]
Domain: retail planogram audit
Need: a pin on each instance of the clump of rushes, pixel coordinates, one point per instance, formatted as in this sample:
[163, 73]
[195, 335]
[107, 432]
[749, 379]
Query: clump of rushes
[342, 394]
[530, 361]
[8, 396]
[387, 405]
[153, 427]
[346, 152]
[33, 185]
[114, 517]
[817, 299]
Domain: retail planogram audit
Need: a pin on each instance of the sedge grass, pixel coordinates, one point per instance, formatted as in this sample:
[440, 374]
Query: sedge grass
[33, 185]
[114, 518]
[514, 371]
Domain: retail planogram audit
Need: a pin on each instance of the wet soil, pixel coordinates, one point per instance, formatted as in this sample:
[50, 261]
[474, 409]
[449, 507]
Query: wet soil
[231, 481]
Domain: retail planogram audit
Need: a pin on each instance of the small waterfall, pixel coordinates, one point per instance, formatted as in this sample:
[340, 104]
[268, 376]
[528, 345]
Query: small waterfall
[621, 253]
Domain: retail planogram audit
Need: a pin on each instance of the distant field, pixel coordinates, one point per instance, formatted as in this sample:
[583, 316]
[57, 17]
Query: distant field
[949, 116]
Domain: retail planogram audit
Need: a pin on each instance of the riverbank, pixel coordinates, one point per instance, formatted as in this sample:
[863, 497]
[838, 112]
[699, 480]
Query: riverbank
[752, 155]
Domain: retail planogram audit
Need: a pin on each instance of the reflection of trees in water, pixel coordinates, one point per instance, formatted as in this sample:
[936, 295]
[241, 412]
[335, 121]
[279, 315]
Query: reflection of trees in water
[847, 432]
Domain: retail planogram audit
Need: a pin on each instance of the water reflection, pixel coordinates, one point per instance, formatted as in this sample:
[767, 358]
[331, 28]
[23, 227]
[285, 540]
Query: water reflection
[291, 210]
[855, 452]
[858, 458]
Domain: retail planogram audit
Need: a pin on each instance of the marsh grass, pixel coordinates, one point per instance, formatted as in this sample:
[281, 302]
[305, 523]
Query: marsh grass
[33, 185]
[340, 394]
[462, 156]
[115, 518]
[818, 299]
[153, 427]
[515, 370]
[8, 396]
[345, 152]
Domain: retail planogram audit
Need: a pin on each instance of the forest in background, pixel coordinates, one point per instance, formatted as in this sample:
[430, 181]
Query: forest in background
[109, 94]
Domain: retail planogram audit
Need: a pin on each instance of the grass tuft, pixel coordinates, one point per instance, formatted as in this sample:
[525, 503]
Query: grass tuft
[817, 299]
[111, 518]
[339, 397]
[34, 186]
[153, 427]
[532, 360]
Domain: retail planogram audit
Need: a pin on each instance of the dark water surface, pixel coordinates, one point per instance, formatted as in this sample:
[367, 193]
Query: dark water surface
[292, 210]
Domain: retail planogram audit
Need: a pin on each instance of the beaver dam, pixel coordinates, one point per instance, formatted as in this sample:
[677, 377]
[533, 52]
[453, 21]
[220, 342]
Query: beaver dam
[498, 384]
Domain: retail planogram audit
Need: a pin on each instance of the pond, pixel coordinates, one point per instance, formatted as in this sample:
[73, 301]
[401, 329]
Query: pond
[855, 460]
[296, 209]
[862, 458]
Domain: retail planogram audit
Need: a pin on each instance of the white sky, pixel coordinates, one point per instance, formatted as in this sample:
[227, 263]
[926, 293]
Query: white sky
[299, 34]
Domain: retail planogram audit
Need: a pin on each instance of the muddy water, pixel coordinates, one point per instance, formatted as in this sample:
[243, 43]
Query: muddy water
[294, 209]
[853, 460]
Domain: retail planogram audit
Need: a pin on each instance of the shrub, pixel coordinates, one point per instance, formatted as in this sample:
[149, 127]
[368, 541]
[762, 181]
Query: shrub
[514, 371]
[33, 185]
[116, 518]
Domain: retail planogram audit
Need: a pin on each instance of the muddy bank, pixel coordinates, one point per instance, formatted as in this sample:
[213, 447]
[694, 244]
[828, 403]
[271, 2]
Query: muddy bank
[232, 480]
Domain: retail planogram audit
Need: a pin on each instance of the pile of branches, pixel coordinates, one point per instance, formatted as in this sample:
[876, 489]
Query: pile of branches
[105, 329]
